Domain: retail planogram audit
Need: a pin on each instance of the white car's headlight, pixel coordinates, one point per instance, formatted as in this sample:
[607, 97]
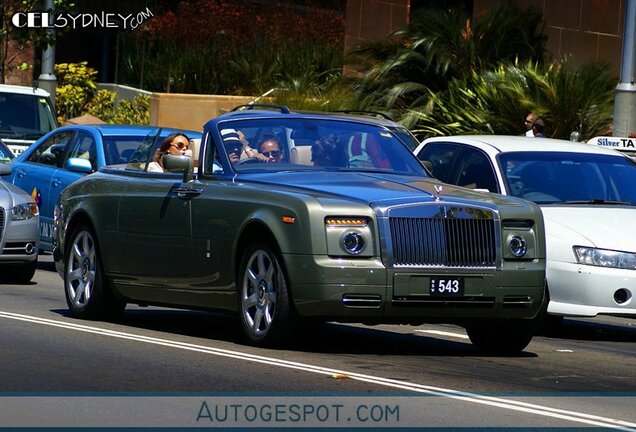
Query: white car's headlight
[24, 211]
[605, 257]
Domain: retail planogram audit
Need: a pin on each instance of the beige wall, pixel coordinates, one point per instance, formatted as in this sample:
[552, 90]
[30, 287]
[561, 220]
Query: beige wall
[579, 30]
[187, 111]
[369, 20]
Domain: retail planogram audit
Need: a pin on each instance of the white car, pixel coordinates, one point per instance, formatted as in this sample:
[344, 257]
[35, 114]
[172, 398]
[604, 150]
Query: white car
[19, 232]
[26, 113]
[588, 198]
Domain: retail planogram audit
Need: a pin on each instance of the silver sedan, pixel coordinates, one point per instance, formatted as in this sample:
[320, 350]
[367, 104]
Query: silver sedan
[19, 236]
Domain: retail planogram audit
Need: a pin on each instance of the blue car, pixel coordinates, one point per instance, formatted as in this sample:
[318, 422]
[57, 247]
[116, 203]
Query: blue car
[71, 152]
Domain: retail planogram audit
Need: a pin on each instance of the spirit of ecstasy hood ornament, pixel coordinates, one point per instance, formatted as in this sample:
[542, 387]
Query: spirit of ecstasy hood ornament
[438, 192]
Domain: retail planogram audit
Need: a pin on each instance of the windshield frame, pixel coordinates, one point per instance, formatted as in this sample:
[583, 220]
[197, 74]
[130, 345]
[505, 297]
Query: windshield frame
[300, 135]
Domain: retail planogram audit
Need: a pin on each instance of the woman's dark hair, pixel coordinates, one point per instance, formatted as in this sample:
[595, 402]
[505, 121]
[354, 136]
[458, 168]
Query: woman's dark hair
[165, 145]
[329, 151]
[267, 136]
[539, 125]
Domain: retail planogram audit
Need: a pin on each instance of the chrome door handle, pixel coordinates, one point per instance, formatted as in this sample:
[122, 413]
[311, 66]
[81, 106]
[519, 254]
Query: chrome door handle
[186, 192]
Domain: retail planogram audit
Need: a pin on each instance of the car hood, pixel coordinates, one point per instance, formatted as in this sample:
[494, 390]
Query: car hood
[5, 197]
[607, 227]
[380, 189]
[11, 195]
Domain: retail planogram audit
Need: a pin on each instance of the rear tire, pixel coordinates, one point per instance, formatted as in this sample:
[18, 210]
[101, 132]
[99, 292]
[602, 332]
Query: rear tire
[88, 295]
[263, 298]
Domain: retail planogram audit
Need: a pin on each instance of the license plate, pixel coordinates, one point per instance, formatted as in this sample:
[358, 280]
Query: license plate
[447, 287]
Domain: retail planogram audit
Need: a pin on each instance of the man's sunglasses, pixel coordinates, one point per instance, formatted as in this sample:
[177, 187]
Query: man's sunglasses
[274, 154]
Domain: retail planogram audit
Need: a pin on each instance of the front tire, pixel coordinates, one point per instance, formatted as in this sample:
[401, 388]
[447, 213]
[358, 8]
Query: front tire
[502, 337]
[263, 297]
[88, 295]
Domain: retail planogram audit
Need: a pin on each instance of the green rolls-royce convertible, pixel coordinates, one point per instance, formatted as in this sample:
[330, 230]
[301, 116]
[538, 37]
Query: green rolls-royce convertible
[284, 217]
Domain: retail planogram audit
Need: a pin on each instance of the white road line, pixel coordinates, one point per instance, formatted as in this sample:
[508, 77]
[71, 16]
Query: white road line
[509, 404]
[444, 333]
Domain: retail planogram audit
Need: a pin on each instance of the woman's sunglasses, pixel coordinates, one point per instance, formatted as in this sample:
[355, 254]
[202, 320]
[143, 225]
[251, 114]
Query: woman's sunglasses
[179, 145]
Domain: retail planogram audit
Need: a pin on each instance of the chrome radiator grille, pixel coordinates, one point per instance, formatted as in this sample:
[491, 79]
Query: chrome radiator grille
[423, 242]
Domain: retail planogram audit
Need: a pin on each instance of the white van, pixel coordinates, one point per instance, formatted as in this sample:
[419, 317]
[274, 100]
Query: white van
[26, 113]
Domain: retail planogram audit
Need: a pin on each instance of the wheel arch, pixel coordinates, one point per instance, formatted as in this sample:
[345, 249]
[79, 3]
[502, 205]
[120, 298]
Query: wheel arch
[255, 229]
[81, 217]
[258, 231]
[78, 218]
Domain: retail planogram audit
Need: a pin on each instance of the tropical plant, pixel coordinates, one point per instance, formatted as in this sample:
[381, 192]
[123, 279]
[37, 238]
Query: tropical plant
[77, 94]
[76, 86]
[102, 105]
[333, 95]
[135, 111]
[496, 101]
[442, 45]
[236, 48]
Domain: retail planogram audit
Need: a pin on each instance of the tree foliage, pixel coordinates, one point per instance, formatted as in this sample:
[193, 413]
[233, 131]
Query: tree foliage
[496, 101]
[442, 45]
[243, 48]
[14, 41]
[77, 94]
[447, 73]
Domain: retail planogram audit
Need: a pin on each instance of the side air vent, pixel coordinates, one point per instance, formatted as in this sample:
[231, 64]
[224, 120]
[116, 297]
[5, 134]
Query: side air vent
[517, 224]
[512, 302]
[362, 301]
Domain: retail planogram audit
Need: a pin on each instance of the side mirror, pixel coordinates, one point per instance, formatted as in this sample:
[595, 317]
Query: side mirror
[79, 165]
[179, 164]
[5, 169]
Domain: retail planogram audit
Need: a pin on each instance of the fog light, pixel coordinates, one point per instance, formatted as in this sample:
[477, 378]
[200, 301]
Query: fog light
[518, 246]
[353, 243]
[621, 296]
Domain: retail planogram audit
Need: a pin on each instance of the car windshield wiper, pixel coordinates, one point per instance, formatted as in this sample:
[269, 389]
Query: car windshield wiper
[599, 201]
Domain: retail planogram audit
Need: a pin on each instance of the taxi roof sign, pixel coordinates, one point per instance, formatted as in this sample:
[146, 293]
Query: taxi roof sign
[616, 143]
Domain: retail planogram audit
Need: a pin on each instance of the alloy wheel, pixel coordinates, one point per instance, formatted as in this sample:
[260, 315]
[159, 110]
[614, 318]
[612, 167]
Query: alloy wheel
[258, 292]
[81, 270]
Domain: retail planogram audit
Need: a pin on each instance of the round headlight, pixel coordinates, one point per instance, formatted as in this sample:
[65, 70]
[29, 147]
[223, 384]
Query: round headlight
[518, 246]
[353, 243]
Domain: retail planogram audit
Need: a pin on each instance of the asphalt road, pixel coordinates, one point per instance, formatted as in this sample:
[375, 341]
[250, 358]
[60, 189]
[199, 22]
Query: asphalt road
[155, 364]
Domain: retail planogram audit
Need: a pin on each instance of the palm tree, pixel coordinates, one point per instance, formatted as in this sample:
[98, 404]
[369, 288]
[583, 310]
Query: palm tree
[496, 101]
[440, 46]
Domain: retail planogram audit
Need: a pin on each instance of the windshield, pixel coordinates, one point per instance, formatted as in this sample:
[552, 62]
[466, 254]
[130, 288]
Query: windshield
[314, 144]
[25, 116]
[564, 177]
